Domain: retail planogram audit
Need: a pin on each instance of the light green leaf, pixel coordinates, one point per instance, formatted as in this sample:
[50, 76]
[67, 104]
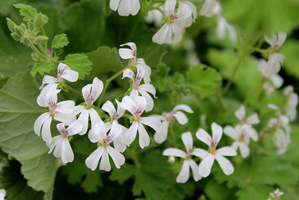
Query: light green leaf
[290, 49]
[80, 63]
[18, 112]
[27, 11]
[59, 41]
[105, 59]
[204, 80]
[42, 67]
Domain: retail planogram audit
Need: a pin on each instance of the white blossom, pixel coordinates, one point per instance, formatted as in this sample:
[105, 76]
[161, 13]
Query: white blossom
[136, 106]
[210, 8]
[291, 109]
[188, 162]
[167, 118]
[209, 156]
[241, 115]
[61, 144]
[98, 134]
[62, 111]
[125, 7]
[275, 195]
[154, 16]
[90, 94]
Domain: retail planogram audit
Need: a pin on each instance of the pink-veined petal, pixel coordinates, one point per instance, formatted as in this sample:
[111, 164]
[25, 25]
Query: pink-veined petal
[130, 135]
[93, 159]
[109, 108]
[117, 157]
[160, 136]
[67, 154]
[152, 122]
[105, 164]
[39, 122]
[226, 151]
[225, 164]
[206, 165]
[144, 139]
[66, 107]
[74, 128]
[174, 152]
[240, 113]
[86, 92]
[98, 132]
[70, 75]
[181, 117]
[96, 88]
[94, 117]
[195, 170]
[129, 104]
[203, 136]
[184, 173]
[188, 141]
[217, 132]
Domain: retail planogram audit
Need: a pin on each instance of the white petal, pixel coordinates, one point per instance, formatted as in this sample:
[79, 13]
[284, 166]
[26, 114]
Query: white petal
[178, 33]
[75, 127]
[182, 107]
[84, 121]
[55, 140]
[169, 6]
[199, 153]
[253, 119]
[217, 132]
[39, 122]
[163, 35]
[114, 4]
[174, 152]
[184, 173]
[98, 133]
[206, 165]
[117, 157]
[86, 90]
[109, 108]
[152, 122]
[226, 151]
[93, 159]
[129, 104]
[181, 117]
[58, 148]
[67, 154]
[188, 141]
[115, 130]
[271, 40]
[66, 107]
[203, 136]
[208, 8]
[160, 136]
[96, 88]
[195, 170]
[141, 102]
[48, 80]
[144, 139]
[70, 75]
[149, 103]
[46, 130]
[105, 164]
[125, 53]
[240, 113]
[130, 135]
[225, 164]
[281, 38]
[244, 150]
[94, 117]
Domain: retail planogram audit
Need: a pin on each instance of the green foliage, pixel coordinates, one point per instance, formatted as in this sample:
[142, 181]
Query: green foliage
[59, 41]
[204, 80]
[42, 67]
[18, 111]
[290, 50]
[80, 63]
[159, 76]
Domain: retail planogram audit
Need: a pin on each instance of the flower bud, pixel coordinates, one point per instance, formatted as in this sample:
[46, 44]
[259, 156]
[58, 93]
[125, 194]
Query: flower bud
[19, 31]
[15, 36]
[41, 39]
[26, 40]
[11, 25]
[38, 22]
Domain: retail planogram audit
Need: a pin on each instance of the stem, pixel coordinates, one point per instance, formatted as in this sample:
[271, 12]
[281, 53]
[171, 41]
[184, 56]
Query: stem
[107, 84]
[37, 51]
[173, 136]
[72, 89]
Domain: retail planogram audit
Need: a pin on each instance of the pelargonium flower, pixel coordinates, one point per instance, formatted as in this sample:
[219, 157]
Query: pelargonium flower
[171, 31]
[291, 110]
[242, 135]
[188, 162]
[61, 144]
[125, 7]
[167, 118]
[191, 8]
[90, 94]
[63, 72]
[209, 156]
[99, 134]
[62, 111]
[210, 8]
[154, 16]
[275, 195]
[241, 115]
[136, 106]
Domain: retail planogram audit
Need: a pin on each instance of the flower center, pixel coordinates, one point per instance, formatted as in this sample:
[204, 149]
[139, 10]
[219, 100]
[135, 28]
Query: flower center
[172, 18]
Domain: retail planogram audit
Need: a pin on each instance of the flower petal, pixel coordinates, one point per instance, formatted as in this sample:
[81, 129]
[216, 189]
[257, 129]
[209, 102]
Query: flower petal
[174, 152]
[109, 108]
[182, 107]
[67, 154]
[188, 141]
[130, 135]
[83, 117]
[253, 119]
[199, 153]
[217, 132]
[105, 164]
[181, 117]
[226, 151]
[66, 107]
[160, 136]
[46, 130]
[74, 128]
[117, 157]
[184, 173]
[94, 117]
[206, 165]
[39, 122]
[244, 150]
[203, 136]
[144, 139]
[195, 170]
[114, 4]
[225, 164]
[240, 113]
[152, 122]
[93, 159]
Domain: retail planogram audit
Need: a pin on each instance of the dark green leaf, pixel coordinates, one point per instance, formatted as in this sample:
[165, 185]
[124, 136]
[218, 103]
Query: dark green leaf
[80, 63]
[27, 11]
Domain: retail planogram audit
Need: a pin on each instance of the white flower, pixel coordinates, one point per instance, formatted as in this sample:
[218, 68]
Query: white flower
[2, 194]
[191, 8]
[99, 134]
[241, 115]
[241, 134]
[210, 8]
[90, 94]
[171, 31]
[154, 16]
[143, 89]
[188, 162]
[125, 7]
[136, 107]
[167, 118]
[61, 142]
[62, 111]
[291, 110]
[209, 156]
[63, 72]
[223, 27]
[275, 195]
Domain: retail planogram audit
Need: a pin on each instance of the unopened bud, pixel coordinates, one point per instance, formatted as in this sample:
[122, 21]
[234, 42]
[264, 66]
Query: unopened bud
[19, 31]
[34, 57]
[15, 36]
[11, 25]
[26, 40]
[41, 39]
[38, 22]
[171, 160]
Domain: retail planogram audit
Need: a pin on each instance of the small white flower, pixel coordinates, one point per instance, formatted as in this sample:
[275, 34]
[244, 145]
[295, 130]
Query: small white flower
[209, 156]
[63, 72]
[136, 107]
[210, 8]
[62, 111]
[99, 134]
[223, 27]
[61, 142]
[171, 31]
[275, 195]
[275, 81]
[191, 8]
[167, 118]
[291, 110]
[188, 162]
[125, 7]
[241, 134]
[90, 94]
[154, 16]
[241, 115]
[2, 194]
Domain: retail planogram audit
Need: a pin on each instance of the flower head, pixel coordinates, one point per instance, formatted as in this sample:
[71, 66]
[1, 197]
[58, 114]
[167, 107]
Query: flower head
[125, 7]
[241, 115]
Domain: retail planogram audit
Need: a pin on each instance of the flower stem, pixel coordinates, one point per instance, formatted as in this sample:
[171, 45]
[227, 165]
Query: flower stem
[173, 136]
[72, 89]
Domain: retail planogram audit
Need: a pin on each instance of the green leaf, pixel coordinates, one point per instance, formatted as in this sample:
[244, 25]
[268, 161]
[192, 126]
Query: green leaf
[15, 184]
[290, 49]
[42, 67]
[59, 41]
[80, 63]
[18, 112]
[204, 80]
[159, 76]
[105, 59]
[28, 12]
[216, 191]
